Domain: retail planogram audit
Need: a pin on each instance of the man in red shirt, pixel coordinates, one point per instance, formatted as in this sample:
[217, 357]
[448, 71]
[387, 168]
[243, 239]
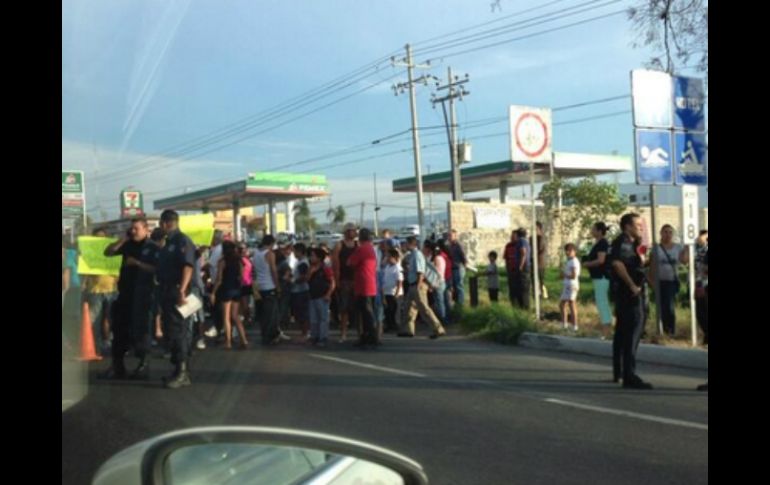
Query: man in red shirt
[364, 263]
[510, 256]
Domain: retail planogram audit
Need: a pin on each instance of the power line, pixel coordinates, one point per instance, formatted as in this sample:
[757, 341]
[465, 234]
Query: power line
[371, 145]
[277, 109]
[133, 171]
[515, 14]
[235, 129]
[534, 34]
[522, 24]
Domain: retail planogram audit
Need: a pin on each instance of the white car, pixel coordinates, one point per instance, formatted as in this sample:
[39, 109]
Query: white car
[410, 230]
[328, 237]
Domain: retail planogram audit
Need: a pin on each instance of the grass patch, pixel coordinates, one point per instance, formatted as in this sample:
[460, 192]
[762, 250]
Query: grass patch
[588, 316]
[498, 322]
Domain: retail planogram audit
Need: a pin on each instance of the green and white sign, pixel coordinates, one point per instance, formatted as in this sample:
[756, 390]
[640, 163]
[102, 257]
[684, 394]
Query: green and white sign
[288, 182]
[73, 195]
[131, 203]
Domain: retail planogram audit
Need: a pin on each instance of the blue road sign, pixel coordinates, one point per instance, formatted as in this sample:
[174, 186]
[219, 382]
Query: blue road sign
[689, 104]
[691, 157]
[654, 157]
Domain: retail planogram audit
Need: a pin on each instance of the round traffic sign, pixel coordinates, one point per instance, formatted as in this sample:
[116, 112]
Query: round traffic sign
[531, 134]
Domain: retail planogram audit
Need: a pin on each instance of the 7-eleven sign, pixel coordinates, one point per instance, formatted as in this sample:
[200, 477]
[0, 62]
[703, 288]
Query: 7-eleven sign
[131, 204]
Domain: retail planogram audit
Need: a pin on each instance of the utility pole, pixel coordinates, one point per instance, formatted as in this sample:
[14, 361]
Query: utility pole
[430, 204]
[456, 90]
[410, 65]
[376, 208]
[361, 224]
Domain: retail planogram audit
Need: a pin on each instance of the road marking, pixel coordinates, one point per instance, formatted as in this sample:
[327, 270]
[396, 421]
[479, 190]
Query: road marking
[629, 414]
[369, 366]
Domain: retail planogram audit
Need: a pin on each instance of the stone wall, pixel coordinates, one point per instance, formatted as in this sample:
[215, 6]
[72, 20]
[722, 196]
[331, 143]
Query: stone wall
[479, 241]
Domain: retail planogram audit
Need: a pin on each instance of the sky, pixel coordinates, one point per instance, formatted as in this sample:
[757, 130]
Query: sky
[166, 96]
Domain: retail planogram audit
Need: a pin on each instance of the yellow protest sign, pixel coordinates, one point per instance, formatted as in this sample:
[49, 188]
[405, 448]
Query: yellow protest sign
[92, 260]
[198, 227]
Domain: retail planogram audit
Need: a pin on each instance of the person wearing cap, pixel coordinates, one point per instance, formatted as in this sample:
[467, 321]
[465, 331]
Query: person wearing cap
[175, 271]
[364, 262]
[344, 277]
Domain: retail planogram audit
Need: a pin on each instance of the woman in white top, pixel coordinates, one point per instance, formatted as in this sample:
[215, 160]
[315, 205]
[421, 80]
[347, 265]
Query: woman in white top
[665, 267]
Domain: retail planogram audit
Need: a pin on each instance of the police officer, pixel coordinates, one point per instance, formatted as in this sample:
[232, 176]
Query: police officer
[627, 262]
[143, 308]
[175, 271]
[129, 312]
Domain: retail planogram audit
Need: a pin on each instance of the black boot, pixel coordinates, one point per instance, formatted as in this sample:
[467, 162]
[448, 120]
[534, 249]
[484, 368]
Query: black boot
[142, 371]
[181, 379]
[114, 372]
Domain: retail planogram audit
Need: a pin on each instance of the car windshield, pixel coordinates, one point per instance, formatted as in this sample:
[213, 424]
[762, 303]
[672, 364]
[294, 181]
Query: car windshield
[531, 147]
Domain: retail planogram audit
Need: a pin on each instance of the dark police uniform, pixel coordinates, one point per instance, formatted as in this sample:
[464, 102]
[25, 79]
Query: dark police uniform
[122, 310]
[177, 253]
[143, 305]
[629, 309]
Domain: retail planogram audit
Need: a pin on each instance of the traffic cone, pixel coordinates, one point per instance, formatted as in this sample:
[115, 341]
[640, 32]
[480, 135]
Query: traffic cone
[87, 348]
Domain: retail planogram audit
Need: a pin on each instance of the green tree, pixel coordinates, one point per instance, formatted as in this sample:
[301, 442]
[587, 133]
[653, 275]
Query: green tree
[588, 202]
[336, 215]
[302, 219]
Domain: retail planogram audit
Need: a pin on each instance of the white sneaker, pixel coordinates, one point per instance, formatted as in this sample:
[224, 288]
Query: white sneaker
[211, 333]
[283, 336]
[201, 345]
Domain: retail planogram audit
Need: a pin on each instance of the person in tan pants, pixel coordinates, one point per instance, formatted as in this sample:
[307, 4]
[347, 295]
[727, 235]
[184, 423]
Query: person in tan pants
[417, 294]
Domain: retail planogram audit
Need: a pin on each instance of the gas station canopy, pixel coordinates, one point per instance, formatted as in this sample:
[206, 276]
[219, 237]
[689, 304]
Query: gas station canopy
[261, 188]
[493, 176]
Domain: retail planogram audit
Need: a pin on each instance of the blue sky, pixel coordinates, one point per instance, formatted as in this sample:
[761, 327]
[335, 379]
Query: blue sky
[139, 77]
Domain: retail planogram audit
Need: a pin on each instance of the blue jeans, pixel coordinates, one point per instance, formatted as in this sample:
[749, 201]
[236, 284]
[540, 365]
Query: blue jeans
[99, 311]
[668, 305]
[458, 278]
[439, 303]
[319, 320]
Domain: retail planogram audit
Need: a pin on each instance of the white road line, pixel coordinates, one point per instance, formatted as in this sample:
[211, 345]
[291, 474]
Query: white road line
[629, 414]
[368, 366]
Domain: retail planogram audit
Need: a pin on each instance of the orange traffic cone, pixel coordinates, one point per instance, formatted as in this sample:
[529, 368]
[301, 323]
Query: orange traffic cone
[87, 348]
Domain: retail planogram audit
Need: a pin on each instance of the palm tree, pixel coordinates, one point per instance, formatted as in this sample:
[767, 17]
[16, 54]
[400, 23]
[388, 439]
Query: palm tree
[336, 215]
[302, 219]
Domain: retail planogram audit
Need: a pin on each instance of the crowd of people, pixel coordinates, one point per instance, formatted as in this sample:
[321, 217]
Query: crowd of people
[360, 286]
[364, 285]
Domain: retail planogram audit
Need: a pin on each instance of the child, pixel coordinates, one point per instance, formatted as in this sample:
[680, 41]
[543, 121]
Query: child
[493, 278]
[392, 288]
[571, 275]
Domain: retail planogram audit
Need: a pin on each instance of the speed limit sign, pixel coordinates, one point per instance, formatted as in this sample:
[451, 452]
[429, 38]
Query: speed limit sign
[689, 213]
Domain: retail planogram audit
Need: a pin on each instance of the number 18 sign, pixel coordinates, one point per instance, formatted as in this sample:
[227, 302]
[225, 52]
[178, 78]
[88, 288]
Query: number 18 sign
[689, 213]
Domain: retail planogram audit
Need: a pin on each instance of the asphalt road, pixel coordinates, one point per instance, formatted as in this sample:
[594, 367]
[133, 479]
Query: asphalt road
[468, 411]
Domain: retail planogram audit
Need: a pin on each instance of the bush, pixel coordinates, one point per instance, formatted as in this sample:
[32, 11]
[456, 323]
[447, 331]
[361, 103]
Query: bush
[499, 322]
